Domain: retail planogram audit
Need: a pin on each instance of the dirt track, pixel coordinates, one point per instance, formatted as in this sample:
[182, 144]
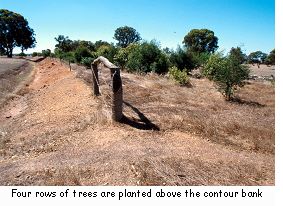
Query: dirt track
[56, 135]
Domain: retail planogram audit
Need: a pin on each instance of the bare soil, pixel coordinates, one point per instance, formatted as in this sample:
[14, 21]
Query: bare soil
[58, 133]
[14, 73]
[262, 70]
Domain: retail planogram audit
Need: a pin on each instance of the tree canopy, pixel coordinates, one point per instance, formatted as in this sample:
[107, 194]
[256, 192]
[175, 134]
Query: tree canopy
[238, 55]
[271, 58]
[14, 32]
[201, 40]
[257, 57]
[126, 35]
[147, 57]
[64, 43]
[227, 72]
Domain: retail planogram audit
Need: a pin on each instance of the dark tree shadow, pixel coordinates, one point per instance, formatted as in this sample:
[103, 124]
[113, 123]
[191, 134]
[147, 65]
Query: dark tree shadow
[142, 123]
[238, 100]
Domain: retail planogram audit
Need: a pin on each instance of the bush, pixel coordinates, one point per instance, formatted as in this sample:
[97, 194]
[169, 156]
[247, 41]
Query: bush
[179, 76]
[46, 53]
[122, 56]
[80, 53]
[270, 60]
[227, 72]
[68, 56]
[86, 61]
[34, 54]
[107, 51]
[147, 57]
[22, 54]
[199, 59]
[182, 60]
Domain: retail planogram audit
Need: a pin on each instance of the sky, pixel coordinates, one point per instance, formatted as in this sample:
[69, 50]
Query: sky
[249, 24]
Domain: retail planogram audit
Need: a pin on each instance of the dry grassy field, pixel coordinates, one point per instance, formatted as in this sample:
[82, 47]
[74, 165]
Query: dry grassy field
[58, 133]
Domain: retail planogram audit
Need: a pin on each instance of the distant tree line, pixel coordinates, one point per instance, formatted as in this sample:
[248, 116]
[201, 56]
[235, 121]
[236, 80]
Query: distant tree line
[132, 54]
[199, 50]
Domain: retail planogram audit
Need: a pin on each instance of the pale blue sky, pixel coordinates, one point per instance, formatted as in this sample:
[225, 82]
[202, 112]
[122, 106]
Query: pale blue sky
[246, 23]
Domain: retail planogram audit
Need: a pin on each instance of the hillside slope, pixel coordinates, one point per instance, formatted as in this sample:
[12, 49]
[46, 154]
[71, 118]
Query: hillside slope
[58, 133]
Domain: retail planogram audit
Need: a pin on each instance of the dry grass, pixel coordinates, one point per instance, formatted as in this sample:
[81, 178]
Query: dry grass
[247, 123]
[171, 135]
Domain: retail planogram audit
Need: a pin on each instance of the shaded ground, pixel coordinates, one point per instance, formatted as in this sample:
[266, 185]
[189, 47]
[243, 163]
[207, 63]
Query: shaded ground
[14, 73]
[58, 133]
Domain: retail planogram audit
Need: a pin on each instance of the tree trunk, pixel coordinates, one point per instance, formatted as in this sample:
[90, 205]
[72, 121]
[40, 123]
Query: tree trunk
[95, 80]
[117, 95]
[9, 52]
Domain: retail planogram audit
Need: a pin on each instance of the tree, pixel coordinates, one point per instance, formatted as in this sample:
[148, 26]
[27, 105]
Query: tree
[198, 59]
[82, 43]
[270, 60]
[14, 32]
[108, 51]
[238, 55]
[201, 40]
[100, 43]
[257, 57]
[121, 58]
[2, 50]
[80, 53]
[46, 53]
[182, 59]
[227, 72]
[148, 57]
[64, 43]
[126, 35]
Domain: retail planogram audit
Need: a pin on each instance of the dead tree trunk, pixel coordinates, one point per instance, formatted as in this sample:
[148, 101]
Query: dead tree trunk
[117, 95]
[117, 91]
[95, 81]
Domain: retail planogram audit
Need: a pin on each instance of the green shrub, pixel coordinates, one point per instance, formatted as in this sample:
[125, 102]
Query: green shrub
[179, 76]
[182, 59]
[86, 61]
[199, 59]
[46, 53]
[80, 53]
[22, 54]
[34, 54]
[68, 56]
[227, 72]
[147, 57]
[107, 51]
[122, 56]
